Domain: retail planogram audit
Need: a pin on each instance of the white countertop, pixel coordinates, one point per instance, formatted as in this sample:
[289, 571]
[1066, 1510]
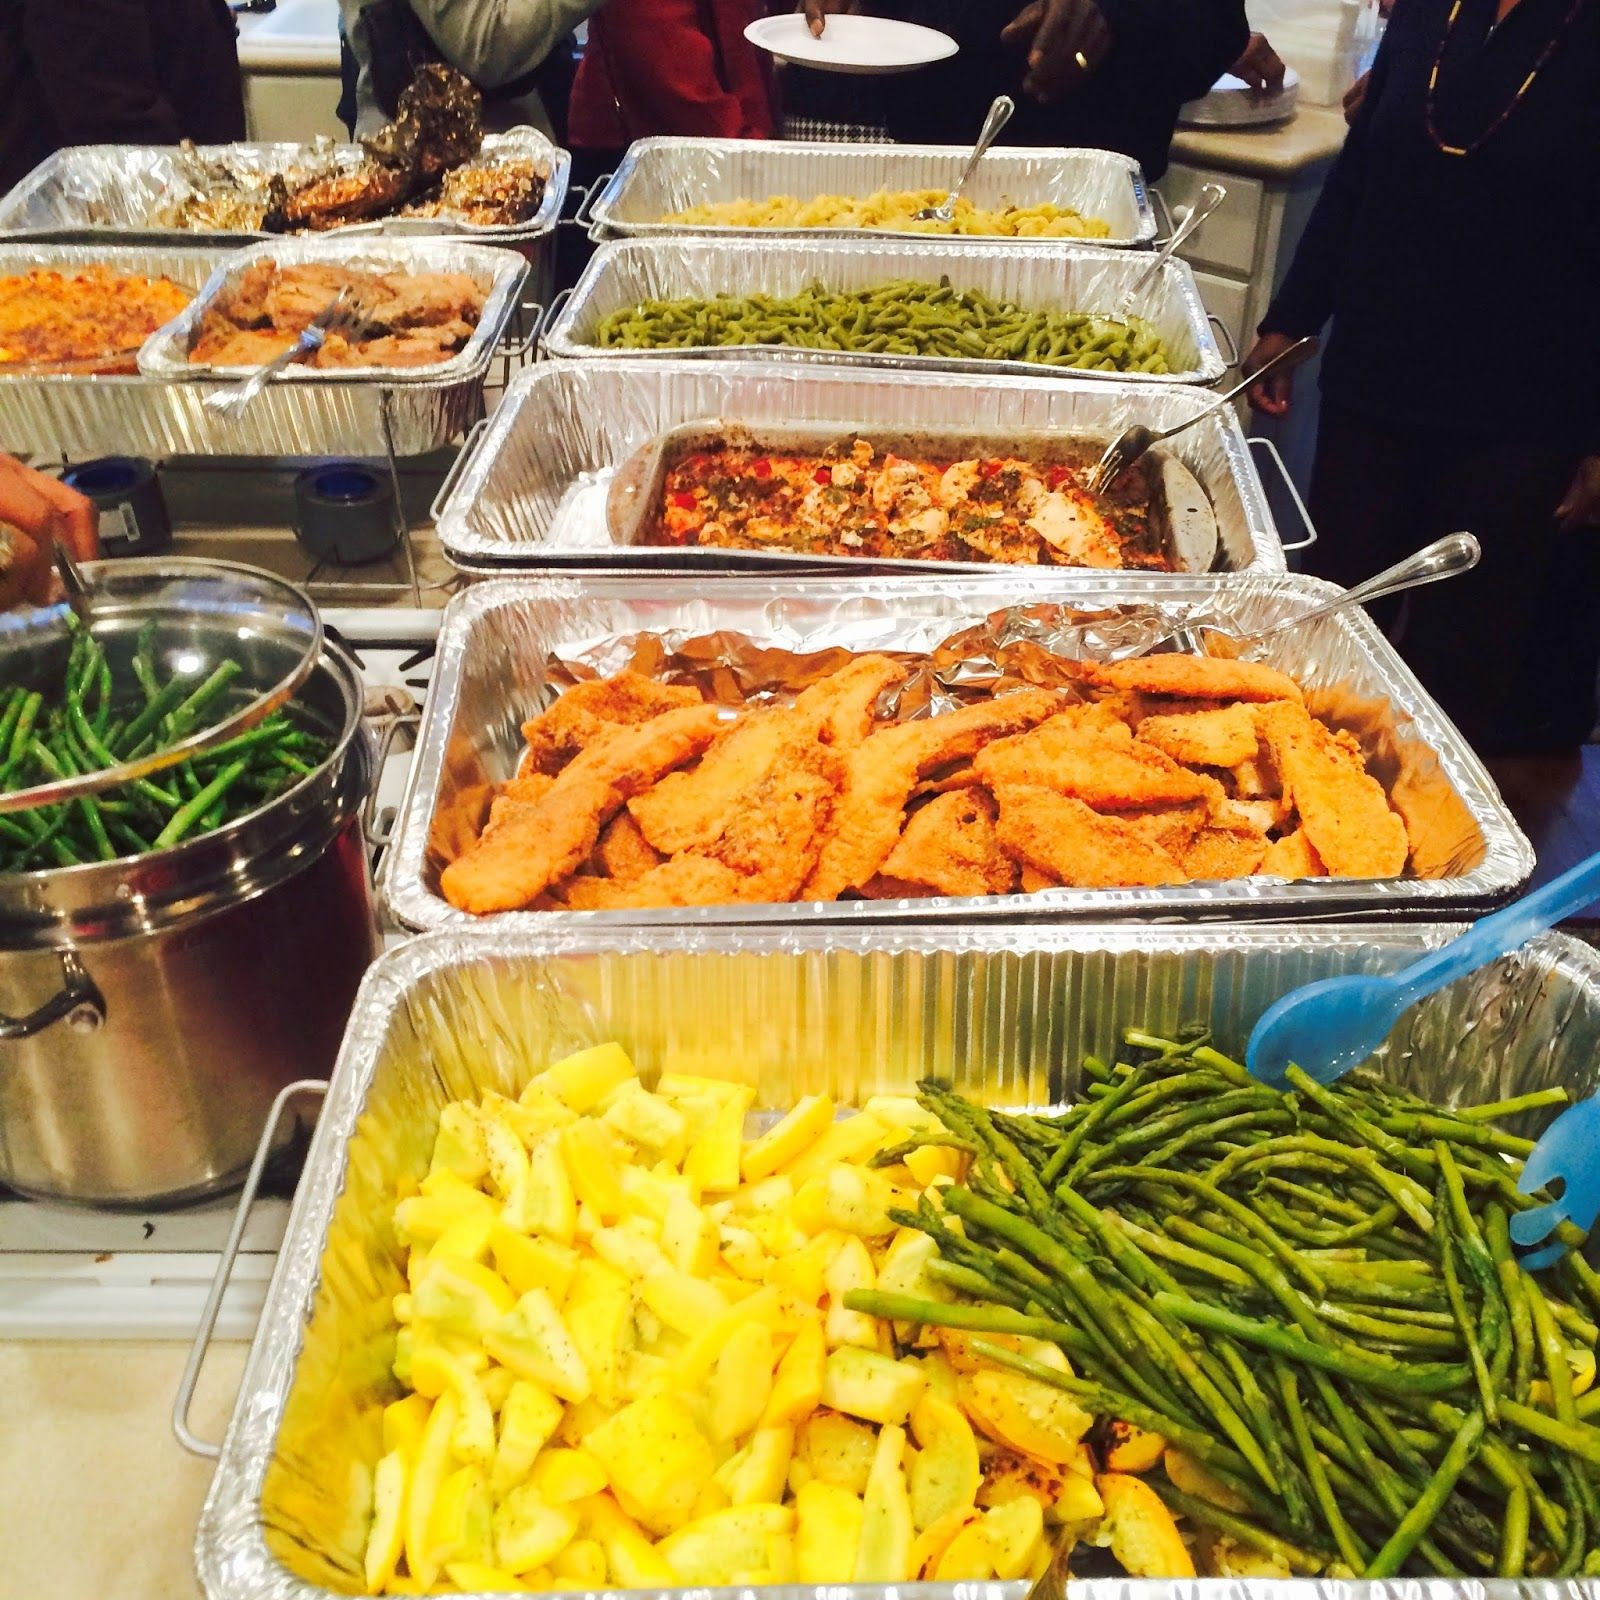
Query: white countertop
[300, 36]
[100, 1499]
[1312, 136]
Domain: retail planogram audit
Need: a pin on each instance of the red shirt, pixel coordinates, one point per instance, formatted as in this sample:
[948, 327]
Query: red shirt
[670, 67]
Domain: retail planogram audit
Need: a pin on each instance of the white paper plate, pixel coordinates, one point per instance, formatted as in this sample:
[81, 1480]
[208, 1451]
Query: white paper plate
[851, 44]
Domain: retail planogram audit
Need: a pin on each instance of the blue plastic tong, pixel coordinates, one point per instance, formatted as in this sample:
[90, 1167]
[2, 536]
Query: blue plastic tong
[1326, 1028]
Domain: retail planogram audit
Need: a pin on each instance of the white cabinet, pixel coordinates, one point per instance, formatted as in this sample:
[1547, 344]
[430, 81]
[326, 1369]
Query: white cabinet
[1240, 253]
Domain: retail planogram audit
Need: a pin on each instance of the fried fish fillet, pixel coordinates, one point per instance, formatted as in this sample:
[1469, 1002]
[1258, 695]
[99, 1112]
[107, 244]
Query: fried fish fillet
[950, 846]
[530, 846]
[1169, 828]
[1062, 837]
[771, 840]
[1343, 810]
[586, 709]
[1112, 772]
[690, 809]
[881, 772]
[1216, 854]
[1191, 678]
[1292, 857]
[624, 853]
[1223, 737]
[683, 881]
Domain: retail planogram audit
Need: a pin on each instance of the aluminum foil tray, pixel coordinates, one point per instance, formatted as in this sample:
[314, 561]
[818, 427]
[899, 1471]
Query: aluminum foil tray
[498, 273]
[1003, 1015]
[497, 639]
[660, 176]
[111, 192]
[1069, 278]
[80, 417]
[535, 490]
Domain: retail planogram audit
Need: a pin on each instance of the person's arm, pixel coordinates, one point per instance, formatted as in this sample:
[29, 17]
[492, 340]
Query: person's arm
[1304, 300]
[96, 67]
[663, 72]
[495, 41]
[1185, 45]
[36, 510]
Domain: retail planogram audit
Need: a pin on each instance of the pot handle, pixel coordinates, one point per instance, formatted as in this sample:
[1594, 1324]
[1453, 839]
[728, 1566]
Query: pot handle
[230, 1253]
[78, 1002]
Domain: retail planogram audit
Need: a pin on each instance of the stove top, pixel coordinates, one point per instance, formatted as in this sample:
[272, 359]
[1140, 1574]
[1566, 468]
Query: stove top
[69, 1272]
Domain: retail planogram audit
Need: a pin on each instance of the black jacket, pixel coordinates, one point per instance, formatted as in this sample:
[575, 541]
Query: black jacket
[1164, 52]
[114, 72]
[1464, 290]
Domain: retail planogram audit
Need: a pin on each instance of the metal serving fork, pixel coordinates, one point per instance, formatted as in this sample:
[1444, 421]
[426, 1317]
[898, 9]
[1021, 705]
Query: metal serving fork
[1135, 439]
[339, 312]
[999, 116]
[1444, 558]
[1210, 197]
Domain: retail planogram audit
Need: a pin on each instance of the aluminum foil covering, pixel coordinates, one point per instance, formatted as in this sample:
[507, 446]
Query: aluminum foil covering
[1005, 1016]
[535, 490]
[505, 646]
[660, 176]
[498, 273]
[80, 417]
[1070, 277]
[113, 191]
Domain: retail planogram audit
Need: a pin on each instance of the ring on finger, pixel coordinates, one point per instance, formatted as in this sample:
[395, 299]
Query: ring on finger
[1081, 59]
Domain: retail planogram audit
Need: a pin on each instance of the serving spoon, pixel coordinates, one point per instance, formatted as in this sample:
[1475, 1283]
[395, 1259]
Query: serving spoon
[1136, 439]
[999, 116]
[1328, 1028]
[1210, 197]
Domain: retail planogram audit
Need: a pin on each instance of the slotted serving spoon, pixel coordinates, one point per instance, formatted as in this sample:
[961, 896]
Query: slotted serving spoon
[1210, 197]
[1136, 439]
[1444, 558]
[1328, 1028]
[999, 116]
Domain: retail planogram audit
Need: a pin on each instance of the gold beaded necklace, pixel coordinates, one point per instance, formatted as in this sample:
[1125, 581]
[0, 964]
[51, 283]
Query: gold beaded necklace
[1527, 83]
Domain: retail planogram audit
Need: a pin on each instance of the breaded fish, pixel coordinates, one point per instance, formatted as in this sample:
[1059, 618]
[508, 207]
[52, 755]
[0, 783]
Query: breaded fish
[1216, 854]
[771, 840]
[683, 881]
[881, 772]
[1109, 772]
[624, 853]
[586, 709]
[690, 809]
[1223, 737]
[1066, 839]
[1343, 810]
[1191, 678]
[1169, 828]
[950, 846]
[1292, 857]
[530, 846]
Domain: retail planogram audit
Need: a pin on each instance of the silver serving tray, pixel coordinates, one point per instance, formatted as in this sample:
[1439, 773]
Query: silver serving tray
[1070, 277]
[534, 492]
[63, 414]
[496, 638]
[1004, 1015]
[109, 192]
[498, 273]
[660, 176]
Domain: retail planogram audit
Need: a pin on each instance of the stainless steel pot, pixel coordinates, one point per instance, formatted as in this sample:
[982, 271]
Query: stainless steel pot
[151, 1008]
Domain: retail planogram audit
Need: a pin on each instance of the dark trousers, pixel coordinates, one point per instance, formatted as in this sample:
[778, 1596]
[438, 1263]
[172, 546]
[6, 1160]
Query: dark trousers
[1510, 650]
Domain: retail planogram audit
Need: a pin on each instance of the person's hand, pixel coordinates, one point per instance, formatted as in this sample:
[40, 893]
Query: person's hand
[818, 11]
[1580, 506]
[1272, 395]
[1065, 40]
[35, 510]
[1260, 66]
[1354, 97]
